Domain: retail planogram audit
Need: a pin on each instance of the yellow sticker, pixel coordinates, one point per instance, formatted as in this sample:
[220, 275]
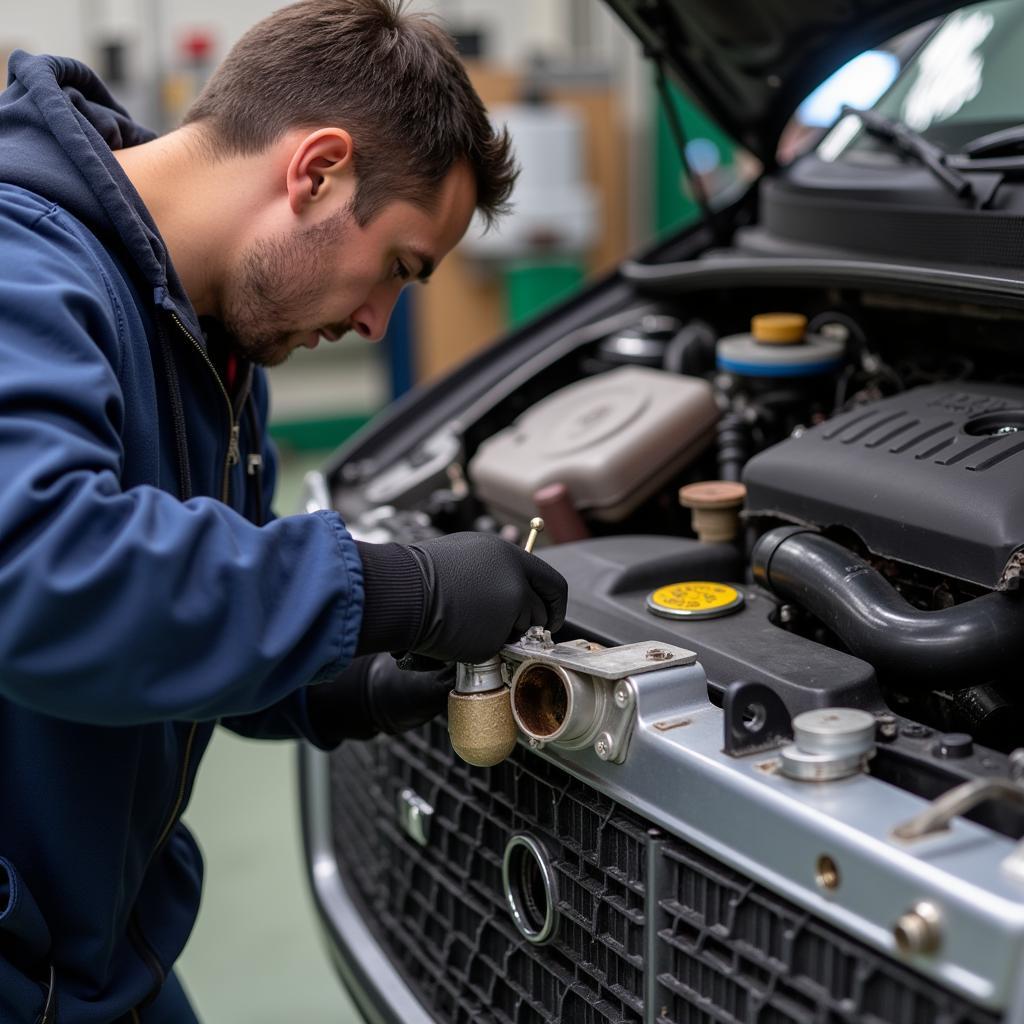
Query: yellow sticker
[694, 599]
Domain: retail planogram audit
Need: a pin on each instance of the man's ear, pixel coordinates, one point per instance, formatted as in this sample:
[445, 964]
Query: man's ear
[321, 162]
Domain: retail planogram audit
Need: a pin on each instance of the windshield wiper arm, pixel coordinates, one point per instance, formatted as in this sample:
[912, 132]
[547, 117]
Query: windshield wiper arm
[1007, 140]
[906, 140]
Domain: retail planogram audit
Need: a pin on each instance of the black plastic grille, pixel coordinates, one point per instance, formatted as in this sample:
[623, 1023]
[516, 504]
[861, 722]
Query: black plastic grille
[731, 952]
[727, 951]
[440, 910]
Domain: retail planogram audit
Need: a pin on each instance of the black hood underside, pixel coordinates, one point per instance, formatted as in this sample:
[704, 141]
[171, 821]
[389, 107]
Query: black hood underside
[750, 63]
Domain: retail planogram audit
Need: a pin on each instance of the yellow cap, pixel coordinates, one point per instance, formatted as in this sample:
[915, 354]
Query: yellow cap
[694, 599]
[778, 328]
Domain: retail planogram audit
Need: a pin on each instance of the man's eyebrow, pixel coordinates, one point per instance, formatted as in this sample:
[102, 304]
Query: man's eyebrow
[427, 265]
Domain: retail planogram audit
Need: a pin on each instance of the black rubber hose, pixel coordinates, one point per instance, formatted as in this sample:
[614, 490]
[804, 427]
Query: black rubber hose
[733, 446]
[691, 350]
[963, 645]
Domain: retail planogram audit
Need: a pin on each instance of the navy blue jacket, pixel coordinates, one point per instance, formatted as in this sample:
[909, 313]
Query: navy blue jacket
[140, 603]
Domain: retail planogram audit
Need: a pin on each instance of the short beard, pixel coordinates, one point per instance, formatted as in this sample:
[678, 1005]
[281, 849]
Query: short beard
[277, 282]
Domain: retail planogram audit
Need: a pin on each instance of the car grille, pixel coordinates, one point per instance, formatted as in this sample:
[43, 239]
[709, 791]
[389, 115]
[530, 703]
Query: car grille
[723, 950]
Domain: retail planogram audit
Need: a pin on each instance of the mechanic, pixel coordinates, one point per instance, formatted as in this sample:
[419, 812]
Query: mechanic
[147, 592]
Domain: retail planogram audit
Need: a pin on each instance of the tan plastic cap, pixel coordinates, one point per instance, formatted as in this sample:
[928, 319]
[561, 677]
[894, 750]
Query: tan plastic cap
[715, 506]
[713, 494]
[778, 328]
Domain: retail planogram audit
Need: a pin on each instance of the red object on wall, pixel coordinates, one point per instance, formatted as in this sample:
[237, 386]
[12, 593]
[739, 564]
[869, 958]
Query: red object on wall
[197, 45]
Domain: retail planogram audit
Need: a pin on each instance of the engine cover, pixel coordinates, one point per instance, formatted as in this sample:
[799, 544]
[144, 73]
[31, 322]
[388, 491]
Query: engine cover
[933, 477]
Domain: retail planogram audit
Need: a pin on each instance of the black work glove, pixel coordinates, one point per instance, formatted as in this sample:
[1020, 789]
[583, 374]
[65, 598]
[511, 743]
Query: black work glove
[374, 695]
[456, 598]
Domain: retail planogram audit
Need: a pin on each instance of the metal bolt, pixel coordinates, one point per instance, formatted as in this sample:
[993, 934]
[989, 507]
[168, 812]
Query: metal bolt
[658, 654]
[604, 745]
[915, 731]
[537, 636]
[888, 727]
[786, 614]
[622, 695]
[534, 743]
[1017, 764]
[918, 930]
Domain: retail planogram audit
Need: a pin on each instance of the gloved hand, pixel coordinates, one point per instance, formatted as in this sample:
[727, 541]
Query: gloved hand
[373, 695]
[481, 592]
[455, 598]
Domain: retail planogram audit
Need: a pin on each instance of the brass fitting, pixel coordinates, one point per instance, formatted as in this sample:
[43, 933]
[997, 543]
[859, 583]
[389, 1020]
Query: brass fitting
[481, 726]
[919, 930]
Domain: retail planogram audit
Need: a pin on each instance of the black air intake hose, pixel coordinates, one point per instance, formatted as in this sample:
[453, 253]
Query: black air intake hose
[961, 646]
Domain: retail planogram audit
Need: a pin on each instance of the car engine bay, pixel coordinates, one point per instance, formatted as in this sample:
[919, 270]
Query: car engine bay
[890, 432]
[806, 521]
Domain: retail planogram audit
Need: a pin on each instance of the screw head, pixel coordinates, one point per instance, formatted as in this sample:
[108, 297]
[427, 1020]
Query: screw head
[887, 726]
[621, 695]
[604, 746]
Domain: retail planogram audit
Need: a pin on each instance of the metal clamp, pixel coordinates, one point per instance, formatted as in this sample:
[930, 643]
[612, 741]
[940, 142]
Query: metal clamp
[481, 677]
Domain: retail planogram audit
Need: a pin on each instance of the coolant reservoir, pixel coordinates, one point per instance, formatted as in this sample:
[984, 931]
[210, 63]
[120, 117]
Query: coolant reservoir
[778, 345]
[612, 440]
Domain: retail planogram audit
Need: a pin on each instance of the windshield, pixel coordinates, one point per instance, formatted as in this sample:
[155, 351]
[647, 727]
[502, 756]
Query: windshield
[966, 80]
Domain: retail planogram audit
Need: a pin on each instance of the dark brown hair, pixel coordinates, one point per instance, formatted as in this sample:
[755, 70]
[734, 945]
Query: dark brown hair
[391, 78]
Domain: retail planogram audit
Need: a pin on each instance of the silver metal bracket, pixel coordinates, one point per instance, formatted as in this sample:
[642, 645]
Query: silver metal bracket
[597, 688]
[603, 662]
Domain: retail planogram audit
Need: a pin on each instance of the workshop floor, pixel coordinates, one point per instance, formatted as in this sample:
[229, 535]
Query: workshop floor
[256, 955]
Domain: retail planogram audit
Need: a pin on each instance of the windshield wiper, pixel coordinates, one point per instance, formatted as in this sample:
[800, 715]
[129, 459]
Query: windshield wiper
[1008, 141]
[1000, 152]
[907, 141]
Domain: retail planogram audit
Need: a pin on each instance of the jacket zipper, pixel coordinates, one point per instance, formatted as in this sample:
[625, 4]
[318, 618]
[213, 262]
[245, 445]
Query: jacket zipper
[182, 786]
[145, 951]
[138, 940]
[232, 456]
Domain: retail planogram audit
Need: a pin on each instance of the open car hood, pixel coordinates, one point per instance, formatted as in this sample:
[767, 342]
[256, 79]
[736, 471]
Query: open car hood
[751, 62]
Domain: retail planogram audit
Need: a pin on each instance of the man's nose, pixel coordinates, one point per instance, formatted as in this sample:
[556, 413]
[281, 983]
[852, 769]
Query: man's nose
[371, 319]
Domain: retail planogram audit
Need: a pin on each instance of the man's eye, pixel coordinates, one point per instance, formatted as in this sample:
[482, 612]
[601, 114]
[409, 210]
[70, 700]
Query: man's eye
[401, 271]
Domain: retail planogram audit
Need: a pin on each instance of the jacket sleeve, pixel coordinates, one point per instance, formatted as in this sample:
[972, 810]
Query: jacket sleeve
[288, 719]
[129, 606]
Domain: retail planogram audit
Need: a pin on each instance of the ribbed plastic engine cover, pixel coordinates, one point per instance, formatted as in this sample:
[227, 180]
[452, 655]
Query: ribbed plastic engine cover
[933, 477]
